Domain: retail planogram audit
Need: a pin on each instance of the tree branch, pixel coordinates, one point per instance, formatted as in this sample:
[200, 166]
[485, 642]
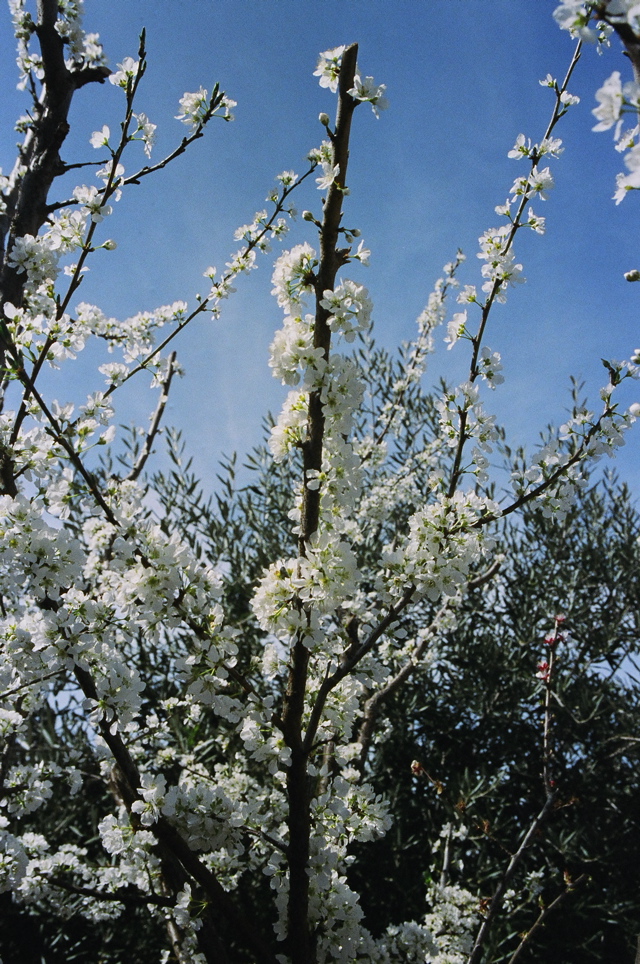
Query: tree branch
[300, 943]
[155, 424]
[558, 110]
[544, 913]
[171, 838]
[498, 898]
[39, 162]
[122, 895]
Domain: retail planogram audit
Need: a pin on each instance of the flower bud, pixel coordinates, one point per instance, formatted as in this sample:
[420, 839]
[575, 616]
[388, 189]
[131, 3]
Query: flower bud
[307, 216]
[324, 119]
[110, 245]
[635, 409]
[632, 275]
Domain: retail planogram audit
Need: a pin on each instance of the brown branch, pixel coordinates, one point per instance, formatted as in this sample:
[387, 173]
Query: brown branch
[155, 424]
[55, 431]
[39, 154]
[176, 846]
[350, 660]
[544, 913]
[498, 898]
[629, 39]
[373, 704]
[121, 896]
[547, 732]
[28, 683]
[331, 260]
[577, 456]
[300, 942]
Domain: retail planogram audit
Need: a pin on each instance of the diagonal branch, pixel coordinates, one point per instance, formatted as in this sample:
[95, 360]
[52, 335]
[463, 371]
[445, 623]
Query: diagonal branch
[155, 424]
[463, 437]
[498, 897]
[544, 913]
[128, 784]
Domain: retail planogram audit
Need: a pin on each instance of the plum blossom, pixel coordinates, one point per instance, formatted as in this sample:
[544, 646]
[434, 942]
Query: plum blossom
[328, 69]
[350, 309]
[124, 76]
[100, 138]
[367, 91]
[329, 174]
[628, 182]
[147, 132]
[456, 329]
[198, 107]
[610, 103]
[92, 199]
[575, 16]
[293, 276]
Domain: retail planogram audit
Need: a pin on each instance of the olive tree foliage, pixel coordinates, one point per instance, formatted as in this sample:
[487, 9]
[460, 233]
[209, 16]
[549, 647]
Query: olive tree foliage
[351, 710]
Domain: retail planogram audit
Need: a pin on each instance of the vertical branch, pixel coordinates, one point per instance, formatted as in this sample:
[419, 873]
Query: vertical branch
[545, 673]
[331, 260]
[547, 749]
[630, 40]
[36, 167]
[300, 943]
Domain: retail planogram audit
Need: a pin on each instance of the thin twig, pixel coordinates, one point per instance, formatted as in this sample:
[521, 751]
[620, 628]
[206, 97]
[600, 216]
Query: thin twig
[544, 913]
[558, 111]
[122, 896]
[155, 424]
[498, 898]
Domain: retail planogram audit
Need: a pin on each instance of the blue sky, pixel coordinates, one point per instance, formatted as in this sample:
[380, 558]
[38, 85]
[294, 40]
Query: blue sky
[462, 81]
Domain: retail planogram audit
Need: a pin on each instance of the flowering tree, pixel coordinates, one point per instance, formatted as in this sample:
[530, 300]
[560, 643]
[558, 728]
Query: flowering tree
[225, 693]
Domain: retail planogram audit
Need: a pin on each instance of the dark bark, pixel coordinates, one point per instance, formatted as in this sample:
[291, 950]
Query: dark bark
[39, 155]
[179, 861]
[300, 943]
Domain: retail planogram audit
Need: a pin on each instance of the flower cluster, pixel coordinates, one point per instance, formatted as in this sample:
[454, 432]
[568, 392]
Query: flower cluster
[576, 16]
[595, 22]
[615, 99]
[445, 541]
[197, 108]
[364, 89]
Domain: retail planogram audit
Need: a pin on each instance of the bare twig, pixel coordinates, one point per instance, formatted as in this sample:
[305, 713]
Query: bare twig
[498, 897]
[544, 913]
[155, 424]
[122, 895]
